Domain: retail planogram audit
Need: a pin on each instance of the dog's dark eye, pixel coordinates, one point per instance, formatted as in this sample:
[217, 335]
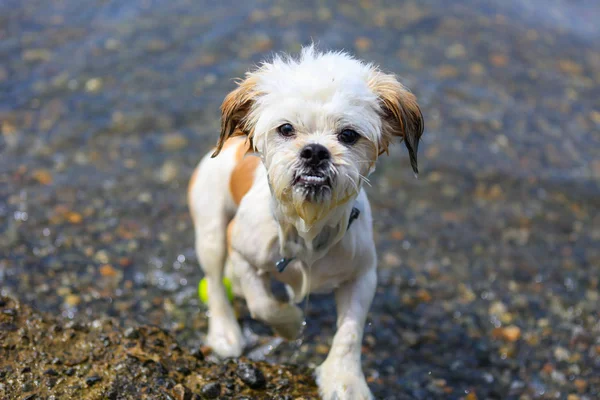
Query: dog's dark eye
[286, 130]
[348, 136]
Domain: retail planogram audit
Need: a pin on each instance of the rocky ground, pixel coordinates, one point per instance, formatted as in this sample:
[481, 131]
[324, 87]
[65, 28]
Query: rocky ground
[489, 267]
[46, 358]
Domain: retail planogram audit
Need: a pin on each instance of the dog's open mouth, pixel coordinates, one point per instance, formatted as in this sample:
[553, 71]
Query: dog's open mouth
[312, 180]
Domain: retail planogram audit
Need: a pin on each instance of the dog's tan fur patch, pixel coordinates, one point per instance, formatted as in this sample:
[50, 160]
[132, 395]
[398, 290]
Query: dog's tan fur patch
[242, 176]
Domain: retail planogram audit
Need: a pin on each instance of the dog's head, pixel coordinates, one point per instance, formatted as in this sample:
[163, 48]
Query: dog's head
[319, 122]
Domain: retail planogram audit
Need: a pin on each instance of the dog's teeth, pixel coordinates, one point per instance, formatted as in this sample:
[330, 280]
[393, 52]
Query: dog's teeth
[313, 178]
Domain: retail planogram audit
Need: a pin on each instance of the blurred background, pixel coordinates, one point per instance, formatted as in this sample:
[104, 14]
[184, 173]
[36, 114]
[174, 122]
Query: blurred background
[489, 262]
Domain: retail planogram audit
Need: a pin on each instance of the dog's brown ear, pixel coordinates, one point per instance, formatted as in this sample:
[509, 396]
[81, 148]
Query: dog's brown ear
[234, 110]
[401, 115]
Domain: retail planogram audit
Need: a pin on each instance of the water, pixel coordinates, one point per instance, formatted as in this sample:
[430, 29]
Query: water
[106, 106]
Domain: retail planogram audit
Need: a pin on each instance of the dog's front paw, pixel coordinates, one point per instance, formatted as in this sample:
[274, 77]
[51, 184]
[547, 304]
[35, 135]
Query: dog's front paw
[336, 382]
[225, 337]
[288, 322]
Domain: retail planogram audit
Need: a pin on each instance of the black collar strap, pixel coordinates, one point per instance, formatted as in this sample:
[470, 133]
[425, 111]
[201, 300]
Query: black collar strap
[284, 262]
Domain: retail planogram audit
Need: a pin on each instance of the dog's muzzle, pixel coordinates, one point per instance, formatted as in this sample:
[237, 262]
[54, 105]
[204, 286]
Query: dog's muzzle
[313, 173]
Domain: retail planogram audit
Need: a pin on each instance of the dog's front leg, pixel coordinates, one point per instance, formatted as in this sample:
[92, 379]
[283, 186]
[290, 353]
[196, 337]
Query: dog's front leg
[340, 377]
[284, 318]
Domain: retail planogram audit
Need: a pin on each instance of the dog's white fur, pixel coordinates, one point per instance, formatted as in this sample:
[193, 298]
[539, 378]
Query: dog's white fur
[319, 94]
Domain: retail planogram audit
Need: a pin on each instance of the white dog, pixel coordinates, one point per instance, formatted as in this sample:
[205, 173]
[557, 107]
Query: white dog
[284, 199]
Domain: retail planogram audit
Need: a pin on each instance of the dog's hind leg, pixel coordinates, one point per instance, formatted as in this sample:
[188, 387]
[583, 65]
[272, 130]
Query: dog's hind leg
[209, 212]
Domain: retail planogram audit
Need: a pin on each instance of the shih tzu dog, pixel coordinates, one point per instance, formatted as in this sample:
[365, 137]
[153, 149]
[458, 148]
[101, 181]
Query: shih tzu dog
[282, 197]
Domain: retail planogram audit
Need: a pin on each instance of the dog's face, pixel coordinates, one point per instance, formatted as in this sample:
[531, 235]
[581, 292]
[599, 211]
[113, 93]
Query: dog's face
[319, 123]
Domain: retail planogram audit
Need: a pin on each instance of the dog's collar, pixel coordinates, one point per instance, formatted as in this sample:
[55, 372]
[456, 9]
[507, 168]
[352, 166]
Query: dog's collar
[284, 262]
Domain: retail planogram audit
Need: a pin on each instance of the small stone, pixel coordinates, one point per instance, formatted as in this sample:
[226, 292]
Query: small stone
[561, 354]
[43, 176]
[72, 300]
[439, 382]
[156, 45]
[457, 50]
[131, 333]
[251, 376]
[324, 14]
[581, 385]
[558, 377]
[74, 217]
[168, 172]
[174, 141]
[101, 256]
[397, 234]
[111, 44]
[410, 338]
[446, 71]
[107, 270]
[363, 43]
[181, 392]
[511, 333]
[423, 296]
[51, 372]
[476, 69]
[391, 259]
[182, 369]
[211, 390]
[471, 396]
[499, 60]
[93, 85]
[92, 380]
[198, 354]
[36, 55]
[570, 67]
[497, 308]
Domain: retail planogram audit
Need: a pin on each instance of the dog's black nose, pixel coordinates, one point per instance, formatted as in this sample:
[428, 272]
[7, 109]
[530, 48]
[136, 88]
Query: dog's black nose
[314, 154]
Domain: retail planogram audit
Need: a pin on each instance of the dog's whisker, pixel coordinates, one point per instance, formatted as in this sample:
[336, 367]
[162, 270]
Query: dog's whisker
[365, 180]
[352, 182]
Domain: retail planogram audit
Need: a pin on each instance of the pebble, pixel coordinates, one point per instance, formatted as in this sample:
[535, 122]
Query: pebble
[36, 55]
[561, 354]
[131, 333]
[198, 354]
[72, 300]
[108, 270]
[93, 85]
[181, 392]
[51, 372]
[511, 333]
[92, 380]
[211, 390]
[363, 44]
[251, 376]
[168, 171]
[174, 141]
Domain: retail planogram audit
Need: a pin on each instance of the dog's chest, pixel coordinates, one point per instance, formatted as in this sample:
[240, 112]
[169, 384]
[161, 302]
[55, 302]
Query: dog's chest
[293, 246]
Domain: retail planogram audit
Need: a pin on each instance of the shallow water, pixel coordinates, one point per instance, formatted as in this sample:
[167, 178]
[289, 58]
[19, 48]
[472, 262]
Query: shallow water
[106, 106]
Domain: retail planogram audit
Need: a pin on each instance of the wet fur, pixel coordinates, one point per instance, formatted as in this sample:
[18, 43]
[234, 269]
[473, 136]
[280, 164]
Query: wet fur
[248, 214]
